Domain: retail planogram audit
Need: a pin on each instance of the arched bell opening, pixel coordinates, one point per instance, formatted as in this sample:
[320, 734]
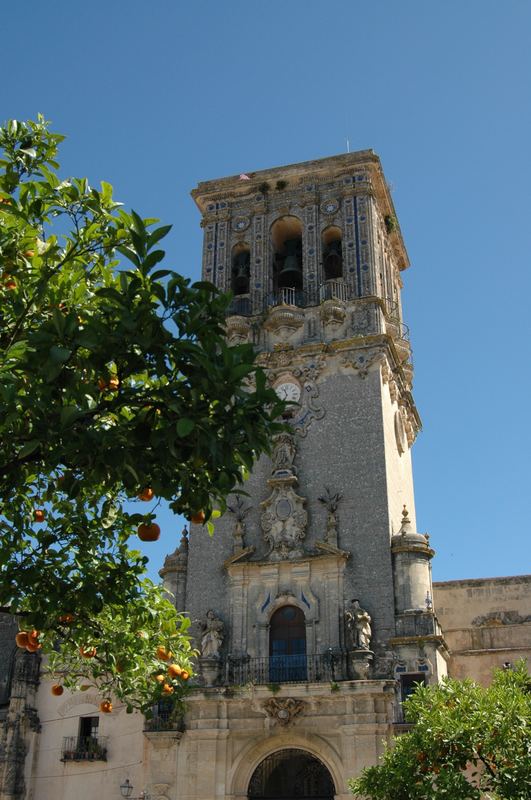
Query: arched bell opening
[286, 239]
[241, 268]
[287, 646]
[332, 253]
[291, 773]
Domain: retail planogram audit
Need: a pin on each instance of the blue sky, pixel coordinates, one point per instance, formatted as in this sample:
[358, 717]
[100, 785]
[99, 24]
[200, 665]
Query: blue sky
[154, 98]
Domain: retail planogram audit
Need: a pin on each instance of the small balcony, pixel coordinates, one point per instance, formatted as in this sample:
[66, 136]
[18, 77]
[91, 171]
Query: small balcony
[87, 748]
[325, 667]
[165, 718]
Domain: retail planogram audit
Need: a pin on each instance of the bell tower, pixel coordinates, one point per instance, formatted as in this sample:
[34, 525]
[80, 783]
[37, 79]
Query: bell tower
[312, 603]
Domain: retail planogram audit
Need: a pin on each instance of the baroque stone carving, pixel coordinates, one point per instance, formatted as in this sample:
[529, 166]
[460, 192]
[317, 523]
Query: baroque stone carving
[284, 710]
[331, 502]
[237, 508]
[332, 312]
[238, 329]
[358, 627]
[363, 362]
[211, 636]
[501, 618]
[284, 517]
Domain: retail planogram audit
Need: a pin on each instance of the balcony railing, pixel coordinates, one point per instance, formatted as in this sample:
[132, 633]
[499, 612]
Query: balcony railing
[328, 667]
[165, 718]
[86, 748]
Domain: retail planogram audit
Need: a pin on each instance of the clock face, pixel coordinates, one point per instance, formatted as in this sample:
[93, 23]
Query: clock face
[288, 391]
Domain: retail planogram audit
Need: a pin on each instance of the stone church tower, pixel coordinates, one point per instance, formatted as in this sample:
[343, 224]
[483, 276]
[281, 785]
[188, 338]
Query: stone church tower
[312, 604]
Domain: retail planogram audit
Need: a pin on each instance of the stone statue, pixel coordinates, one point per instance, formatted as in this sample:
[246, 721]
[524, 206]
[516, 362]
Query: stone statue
[358, 624]
[211, 636]
[331, 502]
[284, 452]
[239, 531]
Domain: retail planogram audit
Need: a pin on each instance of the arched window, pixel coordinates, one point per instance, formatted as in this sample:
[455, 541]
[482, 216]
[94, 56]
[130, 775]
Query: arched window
[241, 268]
[332, 254]
[286, 238]
[287, 645]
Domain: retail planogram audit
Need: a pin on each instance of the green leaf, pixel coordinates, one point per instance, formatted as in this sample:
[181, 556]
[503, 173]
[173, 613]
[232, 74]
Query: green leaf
[210, 528]
[29, 448]
[185, 426]
[68, 415]
[59, 355]
[158, 234]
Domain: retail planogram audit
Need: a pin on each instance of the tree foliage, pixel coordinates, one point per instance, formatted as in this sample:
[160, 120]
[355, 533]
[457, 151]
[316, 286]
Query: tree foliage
[115, 377]
[467, 742]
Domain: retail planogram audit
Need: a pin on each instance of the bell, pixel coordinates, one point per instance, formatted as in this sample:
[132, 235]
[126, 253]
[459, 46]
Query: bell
[333, 261]
[291, 273]
[240, 274]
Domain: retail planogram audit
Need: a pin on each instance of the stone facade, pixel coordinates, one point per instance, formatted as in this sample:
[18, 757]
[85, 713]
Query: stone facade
[312, 606]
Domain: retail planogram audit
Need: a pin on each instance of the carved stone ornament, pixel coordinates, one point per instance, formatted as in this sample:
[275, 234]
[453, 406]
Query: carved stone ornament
[211, 636]
[284, 521]
[284, 320]
[284, 710]
[238, 330]
[284, 517]
[400, 431]
[310, 408]
[236, 507]
[332, 312]
[331, 502]
[495, 618]
[363, 361]
[388, 378]
[358, 627]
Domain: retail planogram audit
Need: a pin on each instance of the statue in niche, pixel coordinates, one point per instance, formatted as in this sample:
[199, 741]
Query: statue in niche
[211, 636]
[240, 513]
[284, 453]
[358, 624]
[331, 502]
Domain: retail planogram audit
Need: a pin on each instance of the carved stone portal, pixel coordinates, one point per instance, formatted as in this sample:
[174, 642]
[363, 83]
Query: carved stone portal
[284, 710]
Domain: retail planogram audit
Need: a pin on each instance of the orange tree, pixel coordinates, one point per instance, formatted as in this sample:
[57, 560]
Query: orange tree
[116, 382]
[468, 742]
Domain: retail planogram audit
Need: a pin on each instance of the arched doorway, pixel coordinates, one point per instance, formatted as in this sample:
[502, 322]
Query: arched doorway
[287, 645]
[289, 774]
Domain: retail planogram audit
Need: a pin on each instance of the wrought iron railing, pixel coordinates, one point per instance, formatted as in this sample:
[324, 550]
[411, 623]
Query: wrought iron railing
[327, 666]
[240, 306]
[164, 719]
[287, 296]
[84, 748]
[334, 290]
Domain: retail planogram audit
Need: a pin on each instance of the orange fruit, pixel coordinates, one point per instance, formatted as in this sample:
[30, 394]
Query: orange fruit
[146, 494]
[161, 653]
[185, 675]
[167, 689]
[28, 253]
[22, 639]
[106, 706]
[57, 689]
[87, 652]
[38, 515]
[198, 518]
[66, 619]
[148, 532]
[10, 284]
[160, 678]
[114, 383]
[175, 671]
[32, 648]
